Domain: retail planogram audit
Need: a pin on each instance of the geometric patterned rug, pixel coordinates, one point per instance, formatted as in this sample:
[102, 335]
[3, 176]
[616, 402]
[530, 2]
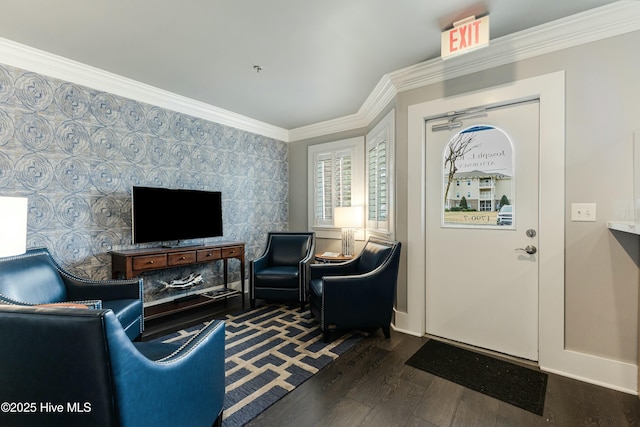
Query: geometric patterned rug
[269, 351]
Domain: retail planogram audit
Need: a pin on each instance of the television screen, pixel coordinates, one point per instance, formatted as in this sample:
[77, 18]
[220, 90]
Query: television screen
[163, 215]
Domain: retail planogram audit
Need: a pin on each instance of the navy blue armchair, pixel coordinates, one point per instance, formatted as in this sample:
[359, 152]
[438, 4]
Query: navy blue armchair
[35, 278]
[77, 367]
[281, 273]
[357, 294]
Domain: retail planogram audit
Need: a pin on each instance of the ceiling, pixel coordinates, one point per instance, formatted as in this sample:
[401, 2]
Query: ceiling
[320, 60]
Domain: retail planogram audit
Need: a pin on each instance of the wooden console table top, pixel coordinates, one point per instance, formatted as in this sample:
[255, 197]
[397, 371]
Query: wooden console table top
[158, 250]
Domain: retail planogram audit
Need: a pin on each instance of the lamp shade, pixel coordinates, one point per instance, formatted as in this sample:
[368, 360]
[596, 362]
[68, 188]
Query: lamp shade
[13, 225]
[347, 217]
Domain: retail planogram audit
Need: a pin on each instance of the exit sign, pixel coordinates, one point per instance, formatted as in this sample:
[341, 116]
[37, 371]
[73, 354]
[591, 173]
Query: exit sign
[465, 36]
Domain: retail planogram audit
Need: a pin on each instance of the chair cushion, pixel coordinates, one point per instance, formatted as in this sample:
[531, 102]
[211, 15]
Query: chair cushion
[277, 277]
[372, 256]
[288, 249]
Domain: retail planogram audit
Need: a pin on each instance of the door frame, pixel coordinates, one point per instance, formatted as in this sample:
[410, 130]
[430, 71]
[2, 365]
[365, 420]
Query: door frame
[549, 89]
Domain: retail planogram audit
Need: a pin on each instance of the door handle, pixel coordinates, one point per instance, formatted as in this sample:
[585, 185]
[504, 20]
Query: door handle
[530, 249]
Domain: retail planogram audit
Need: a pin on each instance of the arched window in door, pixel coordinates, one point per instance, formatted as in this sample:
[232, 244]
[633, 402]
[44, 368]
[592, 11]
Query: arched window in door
[481, 156]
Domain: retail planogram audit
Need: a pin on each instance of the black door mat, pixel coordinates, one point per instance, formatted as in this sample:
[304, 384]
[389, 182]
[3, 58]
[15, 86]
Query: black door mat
[517, 385]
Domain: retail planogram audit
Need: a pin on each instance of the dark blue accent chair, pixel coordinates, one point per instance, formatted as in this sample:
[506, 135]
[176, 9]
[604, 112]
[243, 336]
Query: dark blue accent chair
[282, 272]
[83, 359]
[35, 278]
[357, 294]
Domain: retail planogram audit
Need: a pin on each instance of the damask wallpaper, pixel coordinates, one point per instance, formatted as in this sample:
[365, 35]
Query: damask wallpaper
[76, 153]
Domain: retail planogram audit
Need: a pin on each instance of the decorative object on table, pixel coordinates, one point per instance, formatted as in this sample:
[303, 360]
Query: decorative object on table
[190, 281]
[13, 225]
[269, 352]
[514, 384]
[357, 294]
[281, 273]
[349, 218]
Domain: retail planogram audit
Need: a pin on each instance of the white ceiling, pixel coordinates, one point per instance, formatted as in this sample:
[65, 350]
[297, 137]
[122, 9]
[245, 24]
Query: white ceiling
[320, 59]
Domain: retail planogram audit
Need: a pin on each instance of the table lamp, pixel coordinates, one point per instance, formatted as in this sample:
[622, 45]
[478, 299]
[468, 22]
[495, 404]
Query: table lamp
[13, 226]
[348, 218]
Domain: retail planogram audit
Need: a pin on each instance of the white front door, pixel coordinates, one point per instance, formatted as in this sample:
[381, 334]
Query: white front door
[481, 263]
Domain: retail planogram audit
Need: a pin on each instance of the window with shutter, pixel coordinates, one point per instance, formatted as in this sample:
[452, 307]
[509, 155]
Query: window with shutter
[336, 179]
[380, 142]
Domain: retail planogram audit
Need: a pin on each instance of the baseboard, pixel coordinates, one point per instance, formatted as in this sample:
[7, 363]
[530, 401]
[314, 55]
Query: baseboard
[402, 323]
[596, 370]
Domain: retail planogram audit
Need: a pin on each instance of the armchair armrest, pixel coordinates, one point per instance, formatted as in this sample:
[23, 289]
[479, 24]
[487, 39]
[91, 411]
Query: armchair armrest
[307, 259]
[304, 270]
[106, 290]
[192, 374]
[357, 285]
[206, 333]
[319, 271]
[261, 262]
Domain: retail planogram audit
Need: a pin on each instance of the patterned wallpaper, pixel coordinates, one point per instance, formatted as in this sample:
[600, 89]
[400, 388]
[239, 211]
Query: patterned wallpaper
[76, 153]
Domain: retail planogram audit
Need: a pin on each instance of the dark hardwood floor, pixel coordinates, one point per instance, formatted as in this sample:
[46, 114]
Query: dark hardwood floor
[371, 386]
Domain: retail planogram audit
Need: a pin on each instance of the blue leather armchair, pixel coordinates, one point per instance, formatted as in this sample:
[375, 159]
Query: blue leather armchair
[77, 367]
[35, 278]
[281, 273]
[357, 294]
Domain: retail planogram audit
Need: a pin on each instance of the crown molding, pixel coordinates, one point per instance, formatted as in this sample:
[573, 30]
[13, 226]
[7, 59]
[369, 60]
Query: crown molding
[600, 23]
[378, 99]
[346, 123]
[28, 58]
[607, 21]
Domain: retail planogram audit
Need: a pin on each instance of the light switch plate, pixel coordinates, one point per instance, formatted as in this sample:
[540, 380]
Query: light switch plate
[583, 212]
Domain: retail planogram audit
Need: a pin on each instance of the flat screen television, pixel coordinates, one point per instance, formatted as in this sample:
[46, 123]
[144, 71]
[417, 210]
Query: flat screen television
[168, 215]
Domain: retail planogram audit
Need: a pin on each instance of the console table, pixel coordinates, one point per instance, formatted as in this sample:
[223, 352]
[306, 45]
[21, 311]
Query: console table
[133, 262]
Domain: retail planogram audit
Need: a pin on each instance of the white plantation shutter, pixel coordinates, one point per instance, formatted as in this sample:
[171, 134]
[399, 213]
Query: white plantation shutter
[342, 183]
[377, 161]
[323, 188]
[380, 176]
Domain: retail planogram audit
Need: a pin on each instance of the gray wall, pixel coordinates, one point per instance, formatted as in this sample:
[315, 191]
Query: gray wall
[75, 153]
[602, 112]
